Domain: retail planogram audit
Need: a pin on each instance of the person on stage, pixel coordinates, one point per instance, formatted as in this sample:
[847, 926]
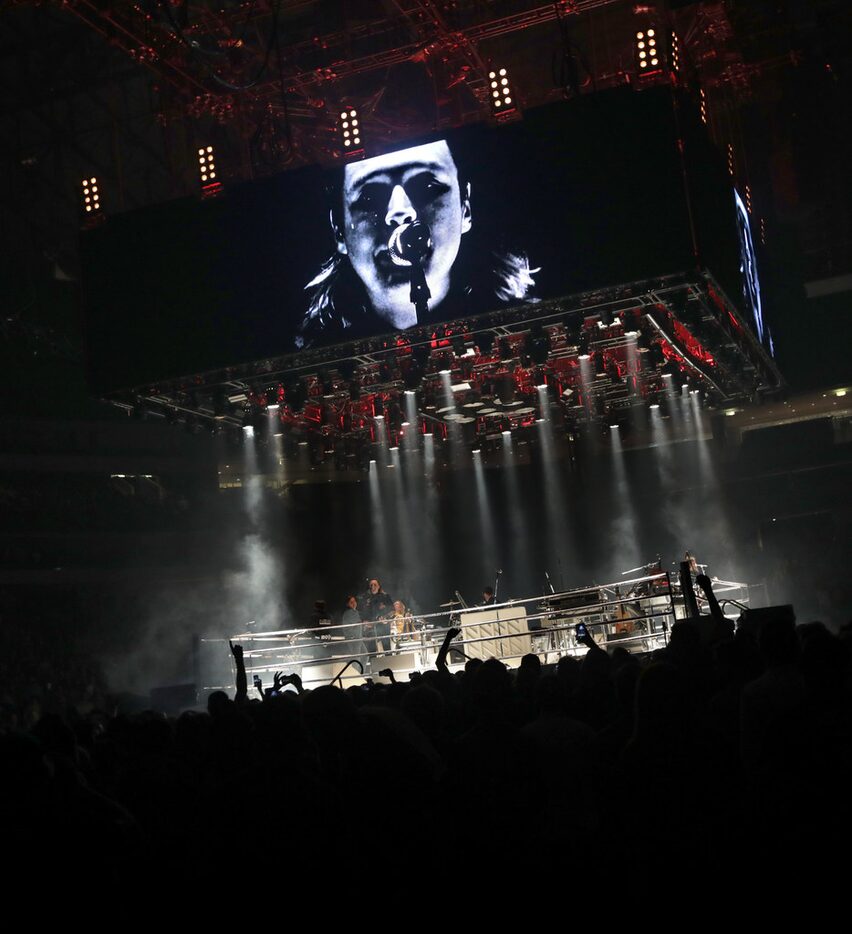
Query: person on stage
[402, 622]
[320, 616]
[378, 609]
[353, 631]
[488, 598]
[694, 568]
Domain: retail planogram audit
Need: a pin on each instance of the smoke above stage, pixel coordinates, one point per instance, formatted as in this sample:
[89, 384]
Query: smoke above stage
[552, 509]
[546, 512]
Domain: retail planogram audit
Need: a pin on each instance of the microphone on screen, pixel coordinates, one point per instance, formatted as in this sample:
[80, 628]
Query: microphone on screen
[409, 243]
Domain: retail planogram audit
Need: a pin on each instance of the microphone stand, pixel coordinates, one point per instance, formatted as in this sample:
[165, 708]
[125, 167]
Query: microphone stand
[549, 582]
[408, 244]
[420, 293]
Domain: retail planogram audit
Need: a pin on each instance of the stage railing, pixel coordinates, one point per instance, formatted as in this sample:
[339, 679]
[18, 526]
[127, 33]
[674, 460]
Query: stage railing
[643, 609]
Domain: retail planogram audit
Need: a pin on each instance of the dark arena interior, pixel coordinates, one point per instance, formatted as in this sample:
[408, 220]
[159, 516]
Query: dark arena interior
[426, 435]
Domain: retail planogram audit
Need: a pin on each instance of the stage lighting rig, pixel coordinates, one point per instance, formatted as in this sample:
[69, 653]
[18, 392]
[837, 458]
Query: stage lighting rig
[295, 395]
[537, 344]
[349, 127]
[207, 173]
[413, 376]
[643, 342]
[647, 54]
[260, 424]
[675, 376]
[346, 369]
[502, 96]
[485, 343]
[506, 389]
[219, 402]
[91, 200]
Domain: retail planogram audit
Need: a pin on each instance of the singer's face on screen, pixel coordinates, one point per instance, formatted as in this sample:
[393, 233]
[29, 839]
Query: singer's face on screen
[379, 194]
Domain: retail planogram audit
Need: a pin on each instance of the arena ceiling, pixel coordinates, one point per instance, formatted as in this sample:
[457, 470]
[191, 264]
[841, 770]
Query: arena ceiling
[127, 90]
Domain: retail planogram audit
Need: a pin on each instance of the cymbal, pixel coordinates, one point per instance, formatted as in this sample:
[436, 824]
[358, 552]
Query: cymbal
[451, 603]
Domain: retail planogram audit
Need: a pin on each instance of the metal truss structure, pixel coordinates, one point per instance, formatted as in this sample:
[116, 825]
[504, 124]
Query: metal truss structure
[589, 359]
[302, 48]
[126, 91]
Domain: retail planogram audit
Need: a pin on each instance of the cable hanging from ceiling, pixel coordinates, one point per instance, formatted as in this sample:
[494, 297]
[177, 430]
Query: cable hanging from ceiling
[197, 50]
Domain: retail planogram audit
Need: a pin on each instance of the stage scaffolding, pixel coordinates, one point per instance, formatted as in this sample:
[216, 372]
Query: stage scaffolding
[636, 615]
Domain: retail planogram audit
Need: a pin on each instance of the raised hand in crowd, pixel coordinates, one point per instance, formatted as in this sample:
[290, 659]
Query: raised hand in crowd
[706, 585]
[241, 696]
[441, 660]
[281, 680]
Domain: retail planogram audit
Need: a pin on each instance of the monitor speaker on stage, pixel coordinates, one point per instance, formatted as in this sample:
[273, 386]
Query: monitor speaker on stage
[752, 620]
[709, 631]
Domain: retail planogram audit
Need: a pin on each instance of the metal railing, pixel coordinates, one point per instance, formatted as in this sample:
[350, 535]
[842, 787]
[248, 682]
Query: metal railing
[643, 608]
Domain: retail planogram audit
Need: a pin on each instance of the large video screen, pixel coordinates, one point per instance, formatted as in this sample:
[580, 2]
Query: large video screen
[725, 242]
[749, 276]
[573, 196]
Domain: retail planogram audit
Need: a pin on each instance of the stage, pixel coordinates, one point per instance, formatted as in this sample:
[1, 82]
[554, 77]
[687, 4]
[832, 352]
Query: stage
[634, 614]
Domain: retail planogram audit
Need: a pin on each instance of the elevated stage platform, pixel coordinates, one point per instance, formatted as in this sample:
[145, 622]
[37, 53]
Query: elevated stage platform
[635, 614]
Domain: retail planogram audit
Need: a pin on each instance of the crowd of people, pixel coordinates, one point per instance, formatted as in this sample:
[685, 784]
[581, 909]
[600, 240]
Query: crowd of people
[723, 751]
